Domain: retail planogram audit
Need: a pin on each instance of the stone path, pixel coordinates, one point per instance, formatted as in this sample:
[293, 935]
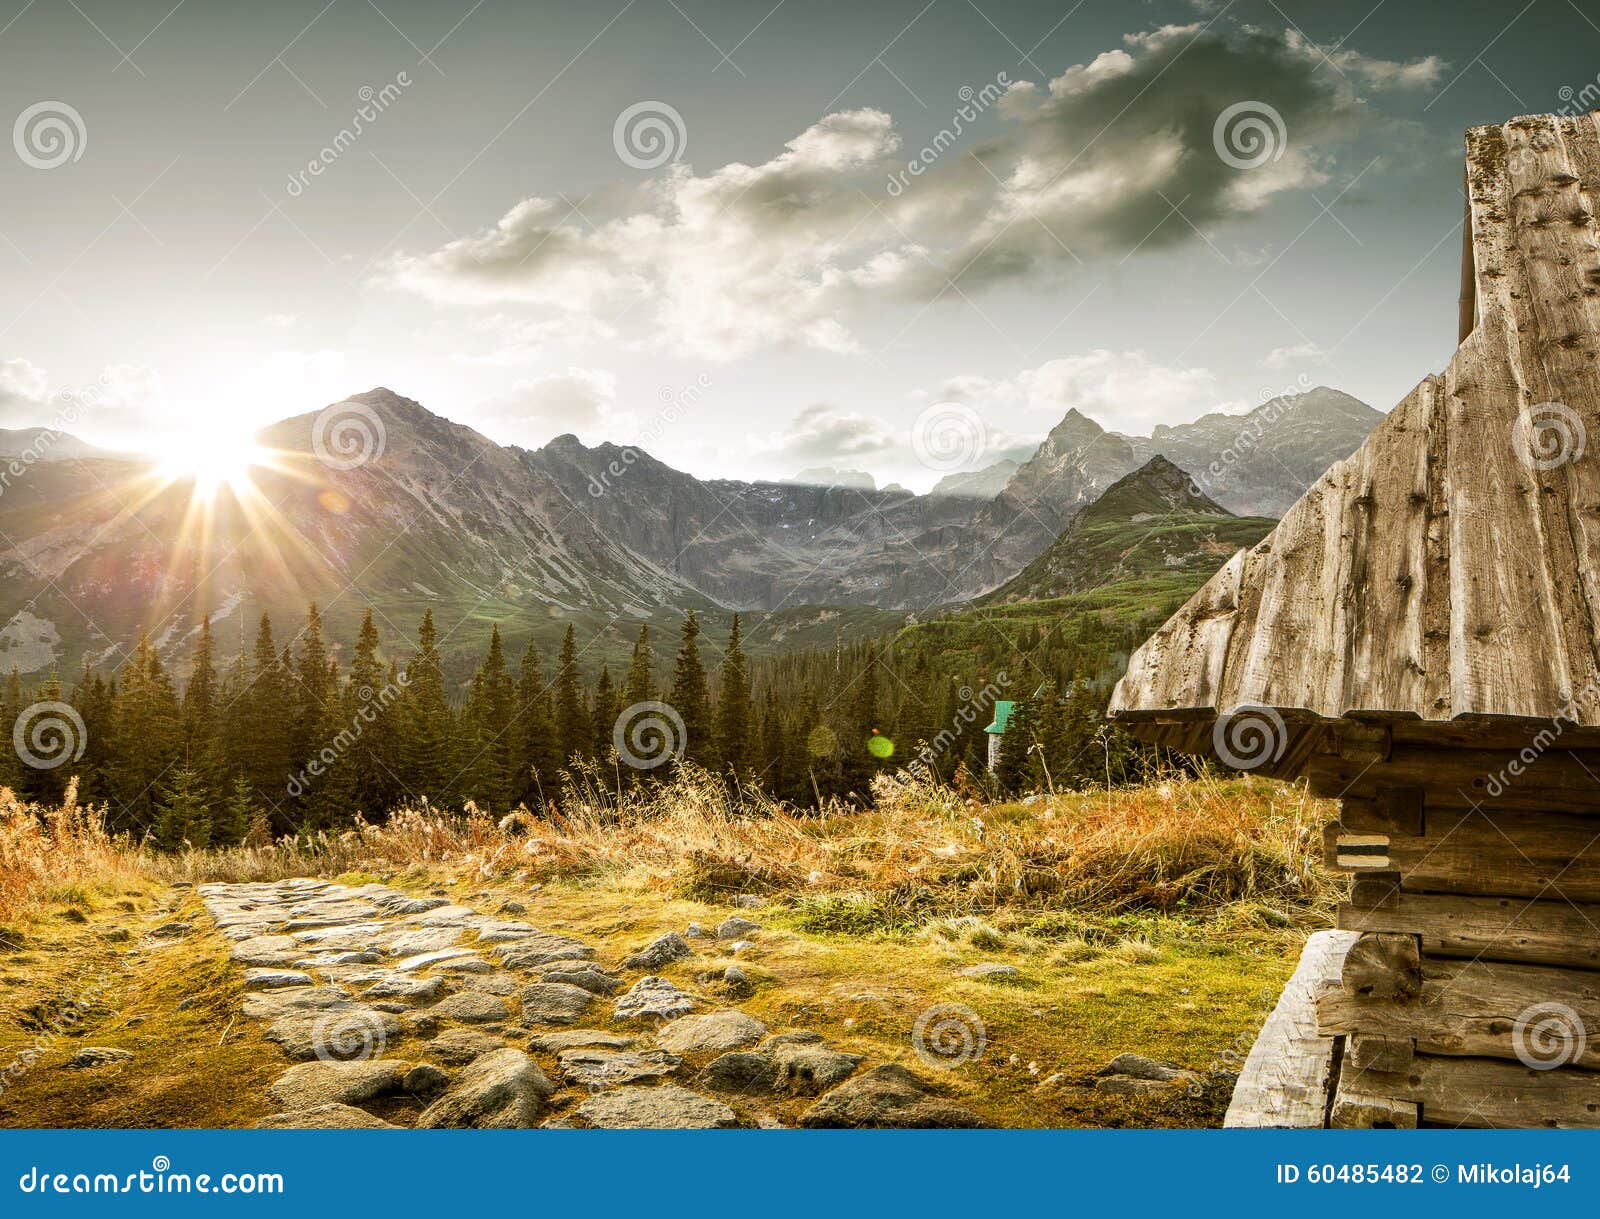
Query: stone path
[399, 1010]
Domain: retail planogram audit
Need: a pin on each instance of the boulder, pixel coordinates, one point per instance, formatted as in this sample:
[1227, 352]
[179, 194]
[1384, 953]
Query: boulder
[471, 1007]
[310, 1084]
[662, 1107]
[711, 1033]
[457, 1047]
[98, 1056]
[653, 998]
[259, 978]
[325, 1117]
[736, 928]
[742, 1072]
[501, 1090]
[588, 977]
[542, 948]
[661, 951]
[888, 1095]
[401, 986]
[598, 1068]
[554, 1003]
[342, 1034]
[425, 1079]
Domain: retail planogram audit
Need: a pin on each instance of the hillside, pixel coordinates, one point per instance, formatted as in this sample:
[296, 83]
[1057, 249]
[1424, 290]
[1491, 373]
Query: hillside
[1152, 523]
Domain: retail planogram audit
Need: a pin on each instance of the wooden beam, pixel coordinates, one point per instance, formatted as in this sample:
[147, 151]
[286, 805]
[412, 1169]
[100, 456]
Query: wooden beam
[1494, 928]
[1481, 1092]
[1483, 1009]
[1378, 1052]
[1493, 778]
[1384, 966]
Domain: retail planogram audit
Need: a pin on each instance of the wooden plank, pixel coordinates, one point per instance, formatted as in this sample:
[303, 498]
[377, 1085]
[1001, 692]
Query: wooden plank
[1285, 1078]
[1509, 853]
[1494, 928]
[1356, 1110]
[1493, 779]
[1483, 1009]
[1379, 1051]
[1481, 1092]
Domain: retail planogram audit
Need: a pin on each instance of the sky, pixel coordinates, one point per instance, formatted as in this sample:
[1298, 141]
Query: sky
[753, 238]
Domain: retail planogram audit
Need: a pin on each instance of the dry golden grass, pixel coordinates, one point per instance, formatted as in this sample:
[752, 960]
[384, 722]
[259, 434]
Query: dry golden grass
[1229, 851]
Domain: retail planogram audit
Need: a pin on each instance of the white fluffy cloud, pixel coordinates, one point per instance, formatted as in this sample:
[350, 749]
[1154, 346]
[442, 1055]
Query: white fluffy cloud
[1121, 390]
[823, 433]
[796, 249]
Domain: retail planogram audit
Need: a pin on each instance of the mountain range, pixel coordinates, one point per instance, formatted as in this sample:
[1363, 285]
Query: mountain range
[96, 548]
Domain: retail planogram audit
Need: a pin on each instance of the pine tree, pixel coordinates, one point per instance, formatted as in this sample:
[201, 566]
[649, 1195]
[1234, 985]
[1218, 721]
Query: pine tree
[534, 780]
[183, 815]
[314, 699]
[1013, 771]
[572, 720]
[427, 722]
[689, 697]
[148, 719]
[603, 717]
[367, 765]
[490, 711]
[641, 683]
[734, 710]
[233, 816]
[260, 743]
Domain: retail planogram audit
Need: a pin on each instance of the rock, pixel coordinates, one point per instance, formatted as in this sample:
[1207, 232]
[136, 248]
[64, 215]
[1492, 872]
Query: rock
[501, 1090]
[423, 960]
[489, 984]
[351, 1031]
[734, 976]
[98, 1056]
[512, 908]
[888, 1095]
[694, 931]
[471, 1007]
[446, 916]
[269, 1005]
[309, 1084]
[736, 928]
[663, 1107]
[258, 978]
[798, 1037]
[711, 1033]
[1139, 1067]
[425, 1079]
[541, 949]
[554, 1003]
[398, 986]
[269, 950]
[590, 979]
[325, 1117]
[417, 943]
[399, 903]
[989, 969]
[115, 935]
[322, 960]
[741, 945]
[661, 951]
[497, 931]
[172, 930]
[394, 1009]
[464, 964]
[457, 1047]
[554, 1043]
[653, 997]
[186, 1003]
[808, 1070]
[743, 1072]
[597, 1068]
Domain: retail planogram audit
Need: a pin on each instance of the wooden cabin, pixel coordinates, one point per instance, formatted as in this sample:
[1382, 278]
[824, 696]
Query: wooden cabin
[1419, 638]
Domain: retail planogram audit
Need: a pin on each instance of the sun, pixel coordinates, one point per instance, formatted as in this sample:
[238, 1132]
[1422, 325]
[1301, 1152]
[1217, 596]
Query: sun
[212, 458]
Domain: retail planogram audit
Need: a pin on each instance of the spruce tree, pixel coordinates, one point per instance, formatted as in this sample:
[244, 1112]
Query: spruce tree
[430, 757]
[183, 815]
[603, 717]
[572, 720]
[689, 697]
[641, 683]
[734, 710]
[489, 716]
[538, 758]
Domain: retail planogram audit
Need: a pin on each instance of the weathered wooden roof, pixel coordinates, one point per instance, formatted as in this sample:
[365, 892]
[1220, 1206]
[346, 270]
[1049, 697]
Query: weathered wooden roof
[1450, 568]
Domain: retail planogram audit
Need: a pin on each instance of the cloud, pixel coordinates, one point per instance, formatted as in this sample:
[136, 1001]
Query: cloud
[1121, 390]
[24, 389]
[579, 400]
[823, 433]
[1307, 352]
[795, 250]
